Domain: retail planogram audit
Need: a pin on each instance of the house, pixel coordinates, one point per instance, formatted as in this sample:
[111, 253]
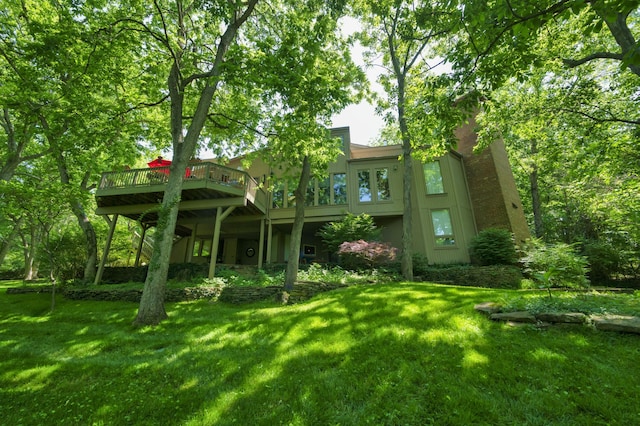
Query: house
[228, 216]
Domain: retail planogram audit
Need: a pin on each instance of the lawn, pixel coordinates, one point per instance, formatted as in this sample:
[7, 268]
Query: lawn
[391, 354]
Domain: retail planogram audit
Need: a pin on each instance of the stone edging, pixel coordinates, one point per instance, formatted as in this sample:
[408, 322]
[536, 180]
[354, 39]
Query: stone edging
[620, 323]
[302, 290]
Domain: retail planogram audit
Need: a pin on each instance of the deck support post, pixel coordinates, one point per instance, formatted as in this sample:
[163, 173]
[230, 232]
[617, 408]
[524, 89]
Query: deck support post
[269, 237]
[261, 244]
[140, 245]
[107, 246]
[191, 244]
[220, 216]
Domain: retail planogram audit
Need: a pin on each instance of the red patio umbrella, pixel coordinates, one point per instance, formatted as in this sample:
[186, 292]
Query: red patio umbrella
[160, 162]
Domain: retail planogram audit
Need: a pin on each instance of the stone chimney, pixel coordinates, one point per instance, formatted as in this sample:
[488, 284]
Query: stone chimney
[494, 196]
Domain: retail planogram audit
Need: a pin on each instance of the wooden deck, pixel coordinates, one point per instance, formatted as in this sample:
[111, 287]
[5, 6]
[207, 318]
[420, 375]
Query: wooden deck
[137, 193]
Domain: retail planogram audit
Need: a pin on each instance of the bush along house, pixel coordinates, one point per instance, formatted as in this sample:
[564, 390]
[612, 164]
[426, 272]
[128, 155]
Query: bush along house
[229, 216]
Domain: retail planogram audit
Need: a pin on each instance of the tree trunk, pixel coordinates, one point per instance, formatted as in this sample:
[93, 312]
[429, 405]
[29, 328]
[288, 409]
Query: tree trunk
[6, 243]
[536, 204]
[29, 248]
[298, 224]
[621, 32]
[407, 188]
[77, 208]
[151, 310]
[91, 240]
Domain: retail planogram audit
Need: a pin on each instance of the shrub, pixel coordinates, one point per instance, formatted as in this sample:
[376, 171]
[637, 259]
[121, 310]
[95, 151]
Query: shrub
[420, 264]
[493, 246]
[556, 265]
[365, 254]
[604, 260]
[349, 228]
[494, 276]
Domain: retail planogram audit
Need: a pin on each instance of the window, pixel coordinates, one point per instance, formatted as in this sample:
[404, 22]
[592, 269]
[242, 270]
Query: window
[433, 178]
[382, 184]
[202, 247]
[277, 195]
[442, 228]
[324, 195]
[364, 186]
[291, 193]
[330, 190]
[310, 196]
[340, 188]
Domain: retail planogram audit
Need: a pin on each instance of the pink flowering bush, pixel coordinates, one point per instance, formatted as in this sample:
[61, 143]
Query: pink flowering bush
[365, 254]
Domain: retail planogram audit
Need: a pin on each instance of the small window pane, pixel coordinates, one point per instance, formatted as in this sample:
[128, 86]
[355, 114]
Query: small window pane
[382, 184]
[206, 248]
[309, 198]
[277, 195]
[197, 246]
[364, 186]
[291, 193]
[442, 227]
[433, 178]
[323, 192]
[340, 188]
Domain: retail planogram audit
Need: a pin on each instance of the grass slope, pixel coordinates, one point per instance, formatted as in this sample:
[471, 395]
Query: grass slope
[410, 354]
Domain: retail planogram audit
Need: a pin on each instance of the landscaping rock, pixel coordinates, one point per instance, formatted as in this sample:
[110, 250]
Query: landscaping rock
[563, 317]
[621, 323]
[248, 294]
[25, 290]
[520, 316]
[488, 308]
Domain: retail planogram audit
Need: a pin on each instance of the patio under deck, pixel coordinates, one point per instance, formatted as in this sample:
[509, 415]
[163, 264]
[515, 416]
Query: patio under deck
[137, 193]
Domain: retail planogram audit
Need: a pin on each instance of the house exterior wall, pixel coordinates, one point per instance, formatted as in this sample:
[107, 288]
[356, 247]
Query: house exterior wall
[478, 191]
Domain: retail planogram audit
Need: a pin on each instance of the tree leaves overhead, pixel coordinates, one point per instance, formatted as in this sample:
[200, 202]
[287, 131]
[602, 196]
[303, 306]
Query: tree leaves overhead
[499, 40]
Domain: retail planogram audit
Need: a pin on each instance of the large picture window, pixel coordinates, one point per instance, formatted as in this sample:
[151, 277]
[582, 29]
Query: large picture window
[433, 178]
[324, 195]
[442, 228]
[382, 184]
[340, 188]
[330, 190]
[310, 196]
[277, 195]
[364, 186]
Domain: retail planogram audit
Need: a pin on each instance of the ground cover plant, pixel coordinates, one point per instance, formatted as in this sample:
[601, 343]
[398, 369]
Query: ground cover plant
[398, 353]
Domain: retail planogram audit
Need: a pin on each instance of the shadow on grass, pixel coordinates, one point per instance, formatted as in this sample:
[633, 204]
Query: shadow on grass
[393, 354]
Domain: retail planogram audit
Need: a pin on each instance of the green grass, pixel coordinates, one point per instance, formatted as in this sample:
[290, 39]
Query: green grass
[410, 354]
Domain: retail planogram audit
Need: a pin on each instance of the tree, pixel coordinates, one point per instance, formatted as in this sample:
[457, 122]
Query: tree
[564, 132]
[309, 76]
[185, 37]
[63, 98]
[406, 35]
[498, 40]
[349, 228]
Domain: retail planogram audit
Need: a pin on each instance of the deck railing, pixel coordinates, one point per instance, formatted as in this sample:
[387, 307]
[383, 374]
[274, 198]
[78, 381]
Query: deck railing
[159, 175]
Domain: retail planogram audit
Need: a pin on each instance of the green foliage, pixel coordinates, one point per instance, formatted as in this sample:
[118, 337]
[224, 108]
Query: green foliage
[604, 260]
[67, 254]
[495, 276]
[349, 228]
[589, 303]
[420, 264]
[555, 265]
[336, 274]
[493, 246]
